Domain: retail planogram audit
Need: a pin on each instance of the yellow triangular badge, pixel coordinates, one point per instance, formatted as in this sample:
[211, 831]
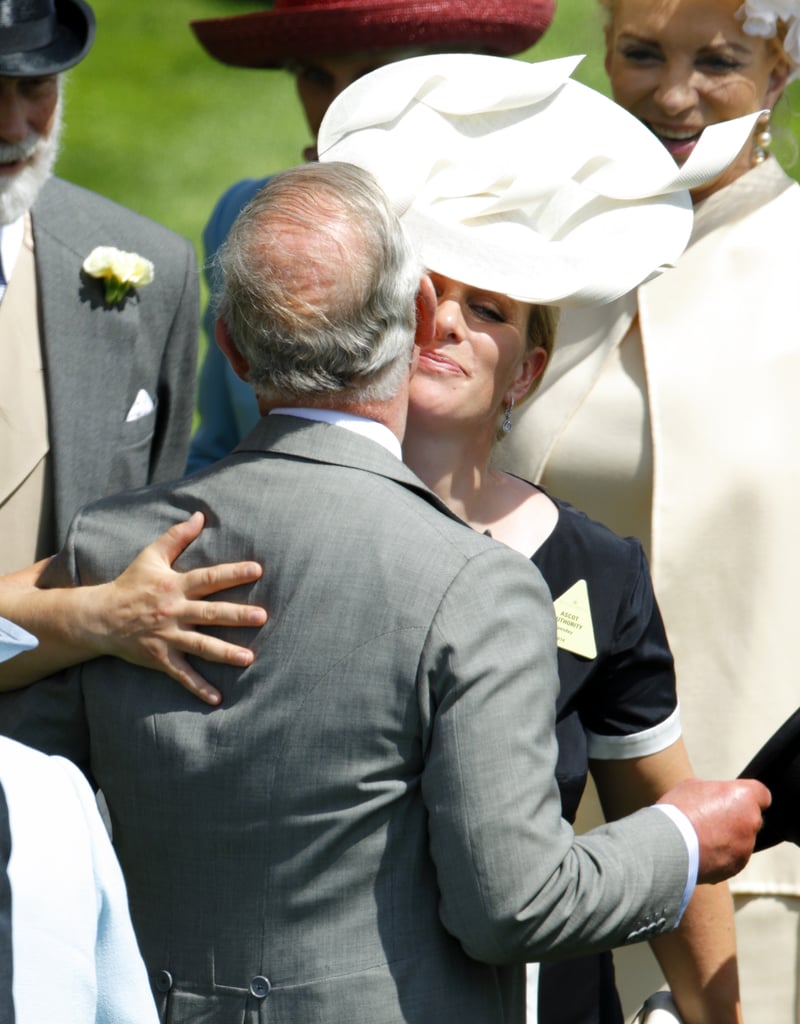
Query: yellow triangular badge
[574, 627]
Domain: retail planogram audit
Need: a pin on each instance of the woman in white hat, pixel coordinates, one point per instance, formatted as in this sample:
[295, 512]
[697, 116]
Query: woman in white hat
[617, 709]
[672, 414]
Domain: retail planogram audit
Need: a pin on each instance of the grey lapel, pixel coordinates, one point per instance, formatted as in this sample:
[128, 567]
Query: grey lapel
[86, 345]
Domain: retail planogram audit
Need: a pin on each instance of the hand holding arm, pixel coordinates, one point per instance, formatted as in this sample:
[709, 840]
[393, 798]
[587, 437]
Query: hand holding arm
[726, 817]
[146, 616]
[699, 958]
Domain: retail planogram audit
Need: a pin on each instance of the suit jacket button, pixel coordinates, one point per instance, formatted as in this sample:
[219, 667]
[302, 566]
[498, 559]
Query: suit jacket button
[260, 987]
[163, 981]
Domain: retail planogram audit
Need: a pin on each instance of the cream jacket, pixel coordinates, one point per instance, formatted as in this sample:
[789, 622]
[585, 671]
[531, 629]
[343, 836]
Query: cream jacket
[721, 343]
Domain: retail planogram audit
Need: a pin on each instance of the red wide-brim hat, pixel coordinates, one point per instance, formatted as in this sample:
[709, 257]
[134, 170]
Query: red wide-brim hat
[299, 29]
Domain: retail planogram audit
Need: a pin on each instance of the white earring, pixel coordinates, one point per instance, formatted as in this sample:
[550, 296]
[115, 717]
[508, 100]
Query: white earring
[762, 140]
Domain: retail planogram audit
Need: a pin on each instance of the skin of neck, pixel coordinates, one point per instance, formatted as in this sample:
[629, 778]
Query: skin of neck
[454, 463]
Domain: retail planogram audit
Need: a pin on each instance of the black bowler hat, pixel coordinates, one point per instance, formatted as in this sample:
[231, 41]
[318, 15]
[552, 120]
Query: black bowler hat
[43, 37]
[777, 765]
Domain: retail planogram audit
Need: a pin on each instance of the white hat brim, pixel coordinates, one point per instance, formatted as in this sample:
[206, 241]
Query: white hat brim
[511, 176]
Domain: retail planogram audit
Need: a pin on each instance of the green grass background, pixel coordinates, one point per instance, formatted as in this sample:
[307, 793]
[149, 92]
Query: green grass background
[156, 124]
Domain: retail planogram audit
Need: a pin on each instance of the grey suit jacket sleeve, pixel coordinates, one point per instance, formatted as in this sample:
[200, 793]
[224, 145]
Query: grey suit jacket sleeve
[513, 877]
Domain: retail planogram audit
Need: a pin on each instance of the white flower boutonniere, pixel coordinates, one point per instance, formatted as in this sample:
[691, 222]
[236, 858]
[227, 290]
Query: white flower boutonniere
[120, 270]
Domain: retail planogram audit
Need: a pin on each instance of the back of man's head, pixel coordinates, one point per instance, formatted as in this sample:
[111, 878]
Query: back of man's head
[318, 288]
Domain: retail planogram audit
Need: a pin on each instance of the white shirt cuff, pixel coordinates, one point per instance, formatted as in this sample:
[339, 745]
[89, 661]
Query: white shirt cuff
[692, 848]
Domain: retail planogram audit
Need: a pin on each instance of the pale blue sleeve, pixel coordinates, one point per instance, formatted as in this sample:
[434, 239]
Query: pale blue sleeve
[123, 990]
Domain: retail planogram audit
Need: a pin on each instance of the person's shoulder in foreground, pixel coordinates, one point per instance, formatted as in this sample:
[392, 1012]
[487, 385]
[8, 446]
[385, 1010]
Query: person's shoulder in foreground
[64, 921]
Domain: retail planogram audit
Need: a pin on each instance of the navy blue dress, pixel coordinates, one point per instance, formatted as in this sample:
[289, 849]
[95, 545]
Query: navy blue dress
[621, 703]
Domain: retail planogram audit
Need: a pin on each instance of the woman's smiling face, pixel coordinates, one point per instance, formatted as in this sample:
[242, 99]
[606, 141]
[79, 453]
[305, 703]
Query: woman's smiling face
[478, 358]
[680, 65]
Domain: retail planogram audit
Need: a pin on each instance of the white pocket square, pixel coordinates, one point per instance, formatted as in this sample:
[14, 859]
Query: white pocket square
[142, 405]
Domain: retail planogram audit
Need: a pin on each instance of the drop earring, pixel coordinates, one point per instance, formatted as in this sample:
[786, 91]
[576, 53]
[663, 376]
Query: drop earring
[507, 424]
[762, 140]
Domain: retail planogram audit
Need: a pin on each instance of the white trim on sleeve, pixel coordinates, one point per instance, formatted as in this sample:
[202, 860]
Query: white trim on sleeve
[640, 744]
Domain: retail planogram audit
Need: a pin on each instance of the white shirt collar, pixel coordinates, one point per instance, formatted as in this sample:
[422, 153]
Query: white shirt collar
[11, 236]
[357, 424]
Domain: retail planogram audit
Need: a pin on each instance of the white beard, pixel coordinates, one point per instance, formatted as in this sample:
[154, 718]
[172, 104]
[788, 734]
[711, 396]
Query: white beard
[17, 194]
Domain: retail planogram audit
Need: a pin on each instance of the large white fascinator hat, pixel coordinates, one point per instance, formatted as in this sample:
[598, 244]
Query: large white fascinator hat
[14, 639]
[513, 177]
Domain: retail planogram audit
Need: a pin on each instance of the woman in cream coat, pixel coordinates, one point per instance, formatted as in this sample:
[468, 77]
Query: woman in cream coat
[672, 414]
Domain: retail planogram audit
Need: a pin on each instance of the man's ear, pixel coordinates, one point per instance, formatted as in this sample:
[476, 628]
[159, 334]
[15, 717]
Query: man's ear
[426, 313]
[228, 347]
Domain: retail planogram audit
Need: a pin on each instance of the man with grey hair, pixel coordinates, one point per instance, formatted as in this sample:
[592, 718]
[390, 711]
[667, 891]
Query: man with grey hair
[356, 348]
[368, 828]
[96, 387]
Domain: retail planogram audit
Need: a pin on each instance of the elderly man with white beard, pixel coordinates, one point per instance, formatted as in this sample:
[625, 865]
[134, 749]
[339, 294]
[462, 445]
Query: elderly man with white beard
[99, 309]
